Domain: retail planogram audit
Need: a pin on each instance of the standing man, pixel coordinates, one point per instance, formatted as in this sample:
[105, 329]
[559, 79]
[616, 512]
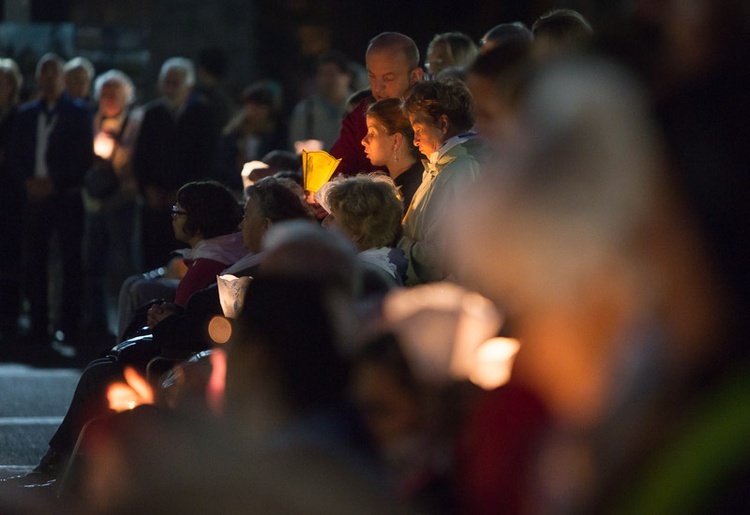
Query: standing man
[51, 149]
[392, 61]
[176, 144]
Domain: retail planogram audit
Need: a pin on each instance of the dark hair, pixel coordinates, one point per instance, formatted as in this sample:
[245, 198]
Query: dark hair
[398, 42]
[292, 321]
[277, 201]
[211, 208]
[264, 93]
[507, 67]
[214, 61]
[566, 26]
[507, 33]
[282, 160]
[337, 58]
[435, 98]
[388, 113]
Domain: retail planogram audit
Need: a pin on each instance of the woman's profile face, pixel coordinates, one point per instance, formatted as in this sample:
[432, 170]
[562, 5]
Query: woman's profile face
[379, 145]
[428, 136]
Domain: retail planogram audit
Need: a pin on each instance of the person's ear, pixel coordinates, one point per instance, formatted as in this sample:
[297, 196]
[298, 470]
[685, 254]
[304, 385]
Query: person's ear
[398, 140]
[415, 76]
[444, 124]
[267, 223]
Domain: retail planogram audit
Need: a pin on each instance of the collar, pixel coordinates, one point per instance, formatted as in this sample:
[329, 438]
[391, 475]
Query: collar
[448, 144]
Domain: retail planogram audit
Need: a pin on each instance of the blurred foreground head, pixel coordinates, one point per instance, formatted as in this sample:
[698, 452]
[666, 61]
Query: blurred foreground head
[554, 238]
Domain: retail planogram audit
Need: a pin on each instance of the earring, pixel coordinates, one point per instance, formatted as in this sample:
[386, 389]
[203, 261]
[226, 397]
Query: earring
[395, 156]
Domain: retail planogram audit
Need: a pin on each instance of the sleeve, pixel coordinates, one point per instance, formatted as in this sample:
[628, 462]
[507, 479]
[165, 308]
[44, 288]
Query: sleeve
[426, 255]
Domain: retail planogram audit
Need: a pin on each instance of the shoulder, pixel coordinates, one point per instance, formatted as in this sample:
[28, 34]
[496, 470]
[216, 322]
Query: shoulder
[29, 108]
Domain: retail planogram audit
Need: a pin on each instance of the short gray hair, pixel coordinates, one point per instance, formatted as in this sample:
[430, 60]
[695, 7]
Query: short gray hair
[180, 63]
[80, 62]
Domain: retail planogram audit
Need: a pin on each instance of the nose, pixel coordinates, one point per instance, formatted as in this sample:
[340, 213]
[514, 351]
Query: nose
[364, 142]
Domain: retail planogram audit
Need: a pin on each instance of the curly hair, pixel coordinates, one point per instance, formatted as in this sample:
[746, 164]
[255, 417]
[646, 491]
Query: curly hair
[211, 208]
[278, 199]
[435, 98]
[368, 208]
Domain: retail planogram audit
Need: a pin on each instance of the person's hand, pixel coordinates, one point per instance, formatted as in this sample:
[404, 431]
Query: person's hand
[159, 312]
[318, 210]
[39, 189]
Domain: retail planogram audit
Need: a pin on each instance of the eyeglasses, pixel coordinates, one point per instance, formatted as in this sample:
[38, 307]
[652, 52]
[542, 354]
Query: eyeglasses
[176, 211]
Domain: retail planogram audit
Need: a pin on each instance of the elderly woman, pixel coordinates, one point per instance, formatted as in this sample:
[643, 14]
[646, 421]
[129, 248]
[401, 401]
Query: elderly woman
[389, 143]
[366, 208]
[110, 195]
[441, 114]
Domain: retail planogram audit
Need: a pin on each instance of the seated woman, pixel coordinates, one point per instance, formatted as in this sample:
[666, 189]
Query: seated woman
[442, 116]
[206, 217]
[388, 143]
[366, 208]
[269, 201]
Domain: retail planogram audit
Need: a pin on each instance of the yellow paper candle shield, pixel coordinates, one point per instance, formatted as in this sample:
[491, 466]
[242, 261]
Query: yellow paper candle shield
[317, 167]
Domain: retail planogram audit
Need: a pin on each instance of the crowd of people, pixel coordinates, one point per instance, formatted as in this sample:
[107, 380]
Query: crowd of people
[319, 351]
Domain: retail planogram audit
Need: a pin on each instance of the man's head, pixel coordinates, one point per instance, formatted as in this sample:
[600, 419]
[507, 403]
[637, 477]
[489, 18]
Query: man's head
[49, 77]
[176, 80]
[79, 72]
[392, 61]
[333, 76]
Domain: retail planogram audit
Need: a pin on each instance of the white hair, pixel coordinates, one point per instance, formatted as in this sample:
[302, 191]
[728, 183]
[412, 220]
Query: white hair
[80, 62]
[179, 63]
[115, 77]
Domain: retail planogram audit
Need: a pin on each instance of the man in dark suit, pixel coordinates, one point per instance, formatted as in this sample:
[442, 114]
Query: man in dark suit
[176, 144]
[50, 150]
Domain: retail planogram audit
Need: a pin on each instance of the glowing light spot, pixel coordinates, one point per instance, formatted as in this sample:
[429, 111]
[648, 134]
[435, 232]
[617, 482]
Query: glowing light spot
[219, 329]
[494, 362]
[125, 396]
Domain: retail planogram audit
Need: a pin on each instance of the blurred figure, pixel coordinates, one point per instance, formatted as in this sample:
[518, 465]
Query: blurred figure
[389, 143]
[448, 50]
[51, 148]
[11, 196]
[211, 67]
[398, 411]
[442, 117]
[79, 72]
[318, 117]
[515, 32]
[253, 132]
[630, 334]
[392, 61]
[109, 249]
[559, 31]
[497, 83]
[176, 144]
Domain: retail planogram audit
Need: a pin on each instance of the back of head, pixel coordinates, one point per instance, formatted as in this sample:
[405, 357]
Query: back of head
[499, 35]
[278, 200]
[368, 209]
[212, 208]
[291, 320]
[396, 42]
[560, 30]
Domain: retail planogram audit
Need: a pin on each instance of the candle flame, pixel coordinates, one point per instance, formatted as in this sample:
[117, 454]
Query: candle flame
[104, 145]
[134, 392]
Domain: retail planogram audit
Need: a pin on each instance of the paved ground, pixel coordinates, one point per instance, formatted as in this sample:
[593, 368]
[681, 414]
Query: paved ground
[32, 403]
